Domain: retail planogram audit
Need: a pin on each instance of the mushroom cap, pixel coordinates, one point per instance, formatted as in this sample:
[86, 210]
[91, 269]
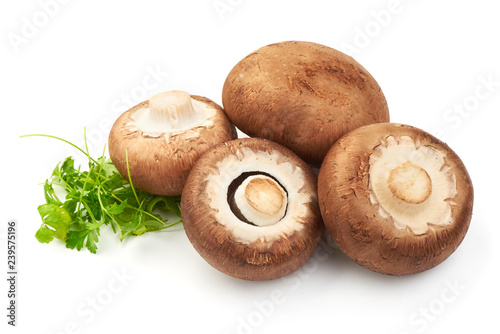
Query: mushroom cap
[239, 248]
[303, 96]
[160, 163]
[397, 232]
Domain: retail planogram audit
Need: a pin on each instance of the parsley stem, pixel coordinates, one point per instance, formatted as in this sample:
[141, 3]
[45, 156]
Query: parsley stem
[61, 139]
[86, 146]
[145, 212]
[101, 164]
[81, 195]
[130, 178]
[173, 224]
[89, 212]
[105, 210]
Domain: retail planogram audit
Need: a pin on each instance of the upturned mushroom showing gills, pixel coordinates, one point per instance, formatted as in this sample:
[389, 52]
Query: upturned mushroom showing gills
[394, 198]
[163, 137]
[250, 209]
[303, 96]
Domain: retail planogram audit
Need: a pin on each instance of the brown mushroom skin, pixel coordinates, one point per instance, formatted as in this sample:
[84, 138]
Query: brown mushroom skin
[353, 222]
[303, 96]
[158, 166]
[258, 260]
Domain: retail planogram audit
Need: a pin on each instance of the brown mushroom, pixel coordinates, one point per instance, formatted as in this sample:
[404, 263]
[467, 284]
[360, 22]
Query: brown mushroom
[303, 96]
[164, 137]
[250, 209]
[394, 198]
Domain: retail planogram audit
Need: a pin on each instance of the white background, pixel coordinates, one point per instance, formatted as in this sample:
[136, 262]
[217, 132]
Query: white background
[88, 61]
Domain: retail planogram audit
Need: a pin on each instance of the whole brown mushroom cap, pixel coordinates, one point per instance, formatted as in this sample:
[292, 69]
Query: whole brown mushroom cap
[159, 162]
[303, 96]
[243, 249]
[357, 220]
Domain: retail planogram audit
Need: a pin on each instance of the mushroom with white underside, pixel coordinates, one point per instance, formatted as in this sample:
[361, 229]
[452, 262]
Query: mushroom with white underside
[394, 198]
[250, 209]
[163, 138]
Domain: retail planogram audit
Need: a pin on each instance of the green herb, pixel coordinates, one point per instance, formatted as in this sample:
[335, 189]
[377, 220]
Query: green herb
[96, 197]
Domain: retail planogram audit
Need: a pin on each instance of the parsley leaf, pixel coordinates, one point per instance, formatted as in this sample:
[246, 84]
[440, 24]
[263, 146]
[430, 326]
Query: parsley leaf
[115, 209]
[56, 217]
[44, 234]
[79, 239]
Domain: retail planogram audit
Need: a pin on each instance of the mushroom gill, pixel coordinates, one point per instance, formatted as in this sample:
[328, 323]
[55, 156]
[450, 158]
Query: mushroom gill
[411, 184]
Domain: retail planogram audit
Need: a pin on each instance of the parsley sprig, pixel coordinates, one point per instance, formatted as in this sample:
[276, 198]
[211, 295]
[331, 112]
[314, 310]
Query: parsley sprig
[96, 197]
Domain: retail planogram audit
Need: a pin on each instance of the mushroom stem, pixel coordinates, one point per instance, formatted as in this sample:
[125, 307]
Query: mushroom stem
[410, 183]
[261, 200]
[173, 108]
